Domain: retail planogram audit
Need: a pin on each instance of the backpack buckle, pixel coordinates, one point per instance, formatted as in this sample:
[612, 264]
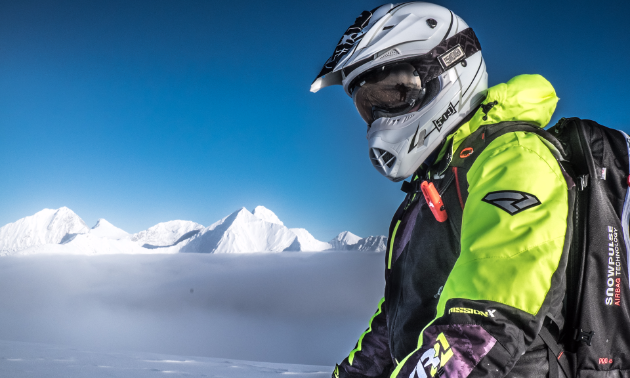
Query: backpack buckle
[582, 182]
[411, 187]
[584, 336]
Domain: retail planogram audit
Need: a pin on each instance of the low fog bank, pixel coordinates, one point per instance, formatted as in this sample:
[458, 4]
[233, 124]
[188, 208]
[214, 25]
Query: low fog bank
[302, 308]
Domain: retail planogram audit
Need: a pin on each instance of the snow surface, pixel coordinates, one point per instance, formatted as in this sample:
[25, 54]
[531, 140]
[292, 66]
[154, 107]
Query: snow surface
[45, 227]
[267, 215]
[31, 360]
[166, 233]
[104, 229]
[88, 244]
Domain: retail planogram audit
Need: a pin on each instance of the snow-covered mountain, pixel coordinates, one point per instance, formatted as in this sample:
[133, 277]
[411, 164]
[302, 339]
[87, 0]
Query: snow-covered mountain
[371, 244]
[45, 227]
[102, 239]
[347, 241]
[167, 233]
[61, 231]
[343, 240]
[242, 232]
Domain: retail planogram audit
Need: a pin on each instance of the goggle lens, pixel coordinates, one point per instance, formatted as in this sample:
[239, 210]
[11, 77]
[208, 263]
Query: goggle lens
[387, 92]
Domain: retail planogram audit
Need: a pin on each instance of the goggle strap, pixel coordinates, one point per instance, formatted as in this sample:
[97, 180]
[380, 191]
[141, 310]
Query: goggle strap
[446, 55]
[438, 60]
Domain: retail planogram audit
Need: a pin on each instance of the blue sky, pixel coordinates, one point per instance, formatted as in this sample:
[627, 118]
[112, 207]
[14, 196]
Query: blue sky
[146, 111]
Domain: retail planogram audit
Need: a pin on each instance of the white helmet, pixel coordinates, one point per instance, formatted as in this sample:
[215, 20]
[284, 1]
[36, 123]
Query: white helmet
[414, 71]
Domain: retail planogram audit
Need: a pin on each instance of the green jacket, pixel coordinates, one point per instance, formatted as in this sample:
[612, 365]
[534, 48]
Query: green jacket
[468, 297]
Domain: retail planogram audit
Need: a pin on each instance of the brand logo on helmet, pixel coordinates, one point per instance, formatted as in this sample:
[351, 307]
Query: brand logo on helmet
[447, 114]
[451, 57]
[511, 201]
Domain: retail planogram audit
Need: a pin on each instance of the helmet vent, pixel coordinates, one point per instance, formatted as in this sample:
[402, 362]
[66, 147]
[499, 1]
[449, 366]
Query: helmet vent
[381, 158]
[392, 52]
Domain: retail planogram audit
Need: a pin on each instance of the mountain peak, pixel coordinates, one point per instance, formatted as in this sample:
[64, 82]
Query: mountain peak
[47, 226]
[102, 223]
[104, 229]
[348, 237]
[267, 215]
[242, 232]
[344, 239]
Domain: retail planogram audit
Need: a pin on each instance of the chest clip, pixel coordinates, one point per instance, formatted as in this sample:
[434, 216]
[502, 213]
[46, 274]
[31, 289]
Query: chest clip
[434, 201]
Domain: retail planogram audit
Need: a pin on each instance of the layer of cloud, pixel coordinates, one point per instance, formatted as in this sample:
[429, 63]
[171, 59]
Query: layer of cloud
[295, 308]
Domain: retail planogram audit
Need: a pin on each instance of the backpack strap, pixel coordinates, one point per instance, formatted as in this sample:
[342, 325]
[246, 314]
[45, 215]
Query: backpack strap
[464, 157]
[559, 357]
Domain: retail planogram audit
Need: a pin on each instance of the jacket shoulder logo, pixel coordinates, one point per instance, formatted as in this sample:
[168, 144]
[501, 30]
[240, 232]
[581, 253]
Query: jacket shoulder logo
[511, 201]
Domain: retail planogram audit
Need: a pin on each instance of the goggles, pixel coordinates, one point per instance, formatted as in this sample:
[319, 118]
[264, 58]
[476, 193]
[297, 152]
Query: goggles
[388, 91]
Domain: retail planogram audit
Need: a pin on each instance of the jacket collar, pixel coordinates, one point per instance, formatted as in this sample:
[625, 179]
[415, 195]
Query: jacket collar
[529, 98]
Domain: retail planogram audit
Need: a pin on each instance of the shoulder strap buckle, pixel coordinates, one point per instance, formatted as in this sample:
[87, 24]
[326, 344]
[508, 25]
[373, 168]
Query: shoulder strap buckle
[411, 187]
[582, 182]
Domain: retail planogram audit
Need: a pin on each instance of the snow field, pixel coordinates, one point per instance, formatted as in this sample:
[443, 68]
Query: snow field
[30, 360]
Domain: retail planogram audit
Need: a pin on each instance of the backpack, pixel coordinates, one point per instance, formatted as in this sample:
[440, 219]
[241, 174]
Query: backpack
[596, 334]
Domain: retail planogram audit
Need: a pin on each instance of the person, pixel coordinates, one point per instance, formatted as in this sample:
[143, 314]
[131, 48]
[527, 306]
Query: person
[476, 255]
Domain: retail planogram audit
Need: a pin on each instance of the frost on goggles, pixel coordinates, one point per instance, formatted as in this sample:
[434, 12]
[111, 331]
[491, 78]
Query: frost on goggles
[388, 91]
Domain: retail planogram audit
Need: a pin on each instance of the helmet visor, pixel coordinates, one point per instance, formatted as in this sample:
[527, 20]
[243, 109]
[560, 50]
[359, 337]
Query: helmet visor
[388, 91]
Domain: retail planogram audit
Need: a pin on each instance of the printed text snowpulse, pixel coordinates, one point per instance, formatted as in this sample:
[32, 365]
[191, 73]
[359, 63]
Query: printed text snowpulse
[613, 283]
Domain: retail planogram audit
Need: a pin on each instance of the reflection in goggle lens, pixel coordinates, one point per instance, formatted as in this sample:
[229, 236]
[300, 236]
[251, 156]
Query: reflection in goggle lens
[388, 92]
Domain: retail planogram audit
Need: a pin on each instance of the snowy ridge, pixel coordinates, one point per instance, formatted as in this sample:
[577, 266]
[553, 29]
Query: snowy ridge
[165, 233]
[347, 241]
[61, 231]
[344, 240]
[371, 244]
[304, 241]
[45, 227]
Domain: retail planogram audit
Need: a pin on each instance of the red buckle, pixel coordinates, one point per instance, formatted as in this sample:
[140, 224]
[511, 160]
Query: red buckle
[434, 201]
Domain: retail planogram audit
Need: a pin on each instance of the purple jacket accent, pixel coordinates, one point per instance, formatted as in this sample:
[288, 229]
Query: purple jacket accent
[408, 222]
[458, 350]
